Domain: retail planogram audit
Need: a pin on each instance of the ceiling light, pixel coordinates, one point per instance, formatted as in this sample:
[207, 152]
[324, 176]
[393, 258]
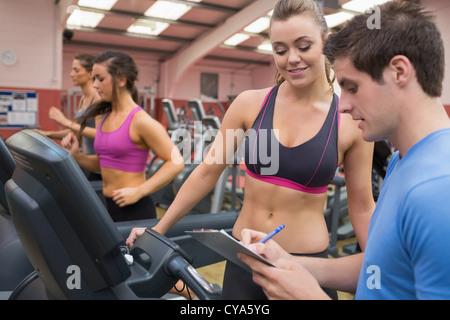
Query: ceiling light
[80, 18]
[236, 39]
[167, 10]
[99, 4]
[336, 19]
[147, 27]
[266, 46]
[259, 25]
[362, 5]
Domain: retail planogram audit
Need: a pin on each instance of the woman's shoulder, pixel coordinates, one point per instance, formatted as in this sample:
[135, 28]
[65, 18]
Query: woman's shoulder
[254, 96]
[142, 117]
[351, 137]
[250, 100]
[245, 108]
[144, 126]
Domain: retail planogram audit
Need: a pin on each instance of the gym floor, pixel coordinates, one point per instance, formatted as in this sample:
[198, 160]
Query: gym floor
[214, 273]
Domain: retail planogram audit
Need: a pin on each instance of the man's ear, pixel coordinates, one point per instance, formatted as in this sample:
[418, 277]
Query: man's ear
[402, 69]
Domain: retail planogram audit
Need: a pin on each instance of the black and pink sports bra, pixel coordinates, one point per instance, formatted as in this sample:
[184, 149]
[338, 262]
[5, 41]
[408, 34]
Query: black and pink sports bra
[309, 167]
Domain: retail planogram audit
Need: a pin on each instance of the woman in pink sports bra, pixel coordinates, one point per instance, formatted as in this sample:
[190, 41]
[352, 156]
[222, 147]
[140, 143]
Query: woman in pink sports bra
[125, 134]
[301, 107]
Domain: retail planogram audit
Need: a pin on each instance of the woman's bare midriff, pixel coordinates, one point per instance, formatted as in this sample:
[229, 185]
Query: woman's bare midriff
[115, 179]
[267, 206]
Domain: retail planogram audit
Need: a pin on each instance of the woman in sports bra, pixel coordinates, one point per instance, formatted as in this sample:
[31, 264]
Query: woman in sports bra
[296, 139]
[125, 135]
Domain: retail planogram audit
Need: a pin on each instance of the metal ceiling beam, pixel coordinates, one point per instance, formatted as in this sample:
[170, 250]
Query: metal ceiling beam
[136, 16]
[245, 48]
[164, 53]
[208, 6]
[133, 35]
[176, 66]
[236, 60]
[118, 47]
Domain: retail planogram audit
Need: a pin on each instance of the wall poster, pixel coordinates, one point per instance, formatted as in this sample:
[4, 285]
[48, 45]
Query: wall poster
[18, 109]
[209, 86]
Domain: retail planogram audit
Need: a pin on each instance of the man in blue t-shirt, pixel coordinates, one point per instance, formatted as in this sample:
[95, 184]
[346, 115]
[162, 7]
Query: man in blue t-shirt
[391, 77]
[407, 253]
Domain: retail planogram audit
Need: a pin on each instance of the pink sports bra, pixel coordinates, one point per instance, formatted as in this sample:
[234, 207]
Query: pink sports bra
[116, 150]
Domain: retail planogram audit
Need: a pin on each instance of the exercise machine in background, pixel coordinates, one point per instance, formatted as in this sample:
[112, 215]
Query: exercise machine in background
[194, 137]
[336, 212]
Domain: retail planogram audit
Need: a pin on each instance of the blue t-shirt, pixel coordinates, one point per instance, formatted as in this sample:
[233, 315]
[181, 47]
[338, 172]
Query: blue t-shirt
[408, 247]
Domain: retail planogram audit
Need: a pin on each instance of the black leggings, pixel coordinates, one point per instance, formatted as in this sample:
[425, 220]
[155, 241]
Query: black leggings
[238, 283]
[143, 209]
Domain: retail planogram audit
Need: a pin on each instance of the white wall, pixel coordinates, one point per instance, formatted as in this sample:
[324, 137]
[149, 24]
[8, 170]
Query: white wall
[32, 30]
[231, 81]
[444, 25]
[441, 9]
[148, 66]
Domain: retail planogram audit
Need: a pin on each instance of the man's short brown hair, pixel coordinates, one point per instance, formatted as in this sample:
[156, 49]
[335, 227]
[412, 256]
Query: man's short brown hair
[404, 29]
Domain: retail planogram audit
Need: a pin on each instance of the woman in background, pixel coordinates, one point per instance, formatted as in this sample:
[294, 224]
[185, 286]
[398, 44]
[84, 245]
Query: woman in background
[81, 75]
[125, 135]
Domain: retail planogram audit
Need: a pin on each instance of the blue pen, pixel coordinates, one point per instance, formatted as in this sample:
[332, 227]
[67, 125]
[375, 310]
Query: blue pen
[270, 235]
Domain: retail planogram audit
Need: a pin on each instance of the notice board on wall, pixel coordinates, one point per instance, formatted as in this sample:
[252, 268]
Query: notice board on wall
[18, 109]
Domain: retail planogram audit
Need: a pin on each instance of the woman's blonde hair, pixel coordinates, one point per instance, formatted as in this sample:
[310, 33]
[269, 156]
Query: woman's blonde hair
[285, 9]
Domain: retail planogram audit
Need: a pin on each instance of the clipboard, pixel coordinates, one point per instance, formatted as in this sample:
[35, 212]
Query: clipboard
[227, 246]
